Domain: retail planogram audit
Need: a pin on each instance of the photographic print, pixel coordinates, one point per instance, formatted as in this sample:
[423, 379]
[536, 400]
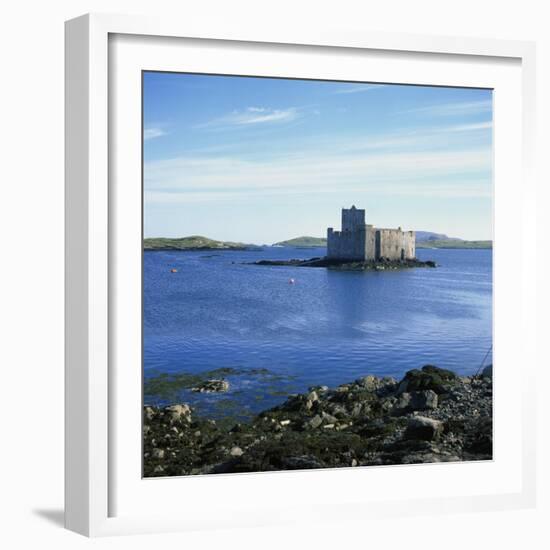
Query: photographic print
[317, 274]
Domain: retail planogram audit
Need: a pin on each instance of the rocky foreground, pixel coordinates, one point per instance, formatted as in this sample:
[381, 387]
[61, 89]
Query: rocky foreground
[431, 415]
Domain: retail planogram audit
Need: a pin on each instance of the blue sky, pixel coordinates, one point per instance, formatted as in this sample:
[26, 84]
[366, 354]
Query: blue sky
[262, 159]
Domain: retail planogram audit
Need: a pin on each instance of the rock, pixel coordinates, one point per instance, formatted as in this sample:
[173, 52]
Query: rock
[179, 413]
[369, 382]
[313, 396]
[236, 451]
[149, 413]
[158, 453]
[402, 403]
[388, 404]
[415, 401]
[315, 422]
[329, 418]
[421, 427]
[212, 386]
[487, 372]
[428, 378]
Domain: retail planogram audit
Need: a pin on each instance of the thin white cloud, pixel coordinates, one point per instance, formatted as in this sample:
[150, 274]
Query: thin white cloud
[151, 133]
[252, 116]
[470, 127]
[453, 109]
[358, 89]
[382, 173]
[425, 139]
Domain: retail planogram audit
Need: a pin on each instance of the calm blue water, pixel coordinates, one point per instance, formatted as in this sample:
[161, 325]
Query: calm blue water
[328, 328]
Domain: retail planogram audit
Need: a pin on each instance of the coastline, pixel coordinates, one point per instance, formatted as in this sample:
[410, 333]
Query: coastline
[431, 415]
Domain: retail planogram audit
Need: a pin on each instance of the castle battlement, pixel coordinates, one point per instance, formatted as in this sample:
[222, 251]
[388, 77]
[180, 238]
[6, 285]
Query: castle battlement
[359, 241]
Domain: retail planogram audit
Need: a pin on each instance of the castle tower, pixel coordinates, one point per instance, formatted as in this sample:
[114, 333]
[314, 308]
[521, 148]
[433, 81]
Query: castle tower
[351, 242]
[352, 219]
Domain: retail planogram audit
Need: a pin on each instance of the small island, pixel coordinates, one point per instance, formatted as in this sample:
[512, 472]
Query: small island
[455, 243]
[304, 242]
[424, 239]
[360, 246]
[194, 242]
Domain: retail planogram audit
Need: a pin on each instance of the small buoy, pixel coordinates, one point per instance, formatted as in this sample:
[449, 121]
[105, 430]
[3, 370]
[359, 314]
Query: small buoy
[291, 281]
[173, 271]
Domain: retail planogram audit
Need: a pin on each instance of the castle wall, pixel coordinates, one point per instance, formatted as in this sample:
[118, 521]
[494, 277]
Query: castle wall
[346, 245]
[394, 244]
[409, 244]
[370, 242]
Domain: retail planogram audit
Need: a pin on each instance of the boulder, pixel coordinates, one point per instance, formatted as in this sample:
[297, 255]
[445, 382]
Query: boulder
[149, 413]
[315, 422]
[313, 396]
[212, 386]
[179, 413]
[370, 383]
[158, 453]
[428, 378]
[236, 452]
[421, 427]
[329, 418]
[415, 401]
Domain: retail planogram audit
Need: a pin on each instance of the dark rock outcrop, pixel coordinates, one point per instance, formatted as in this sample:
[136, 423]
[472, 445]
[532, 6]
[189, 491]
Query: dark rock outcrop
[212, 386]
[346, 265]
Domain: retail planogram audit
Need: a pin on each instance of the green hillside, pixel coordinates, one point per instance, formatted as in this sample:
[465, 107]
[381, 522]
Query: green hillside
[194, 242]
[454, 243]
[304, 242]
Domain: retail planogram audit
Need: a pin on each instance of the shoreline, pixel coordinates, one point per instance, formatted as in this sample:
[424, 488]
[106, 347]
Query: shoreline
[431, 415]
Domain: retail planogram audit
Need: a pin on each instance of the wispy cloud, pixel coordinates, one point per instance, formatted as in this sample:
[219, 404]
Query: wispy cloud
[151, 133]
[252, 116]
[470, 127]
[453, 109]
[358, 89]
[380, 173]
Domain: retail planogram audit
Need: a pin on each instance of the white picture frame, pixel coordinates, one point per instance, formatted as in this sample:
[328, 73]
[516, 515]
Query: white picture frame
[93, 218]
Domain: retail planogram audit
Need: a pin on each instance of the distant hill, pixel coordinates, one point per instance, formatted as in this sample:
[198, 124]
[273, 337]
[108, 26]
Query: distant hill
[194, 242]
[429, 236]
[304, 242]
[453, 243]
[424, 239]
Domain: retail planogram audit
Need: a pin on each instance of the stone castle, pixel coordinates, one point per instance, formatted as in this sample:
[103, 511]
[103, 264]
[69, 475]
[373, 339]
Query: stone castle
[358, 241]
